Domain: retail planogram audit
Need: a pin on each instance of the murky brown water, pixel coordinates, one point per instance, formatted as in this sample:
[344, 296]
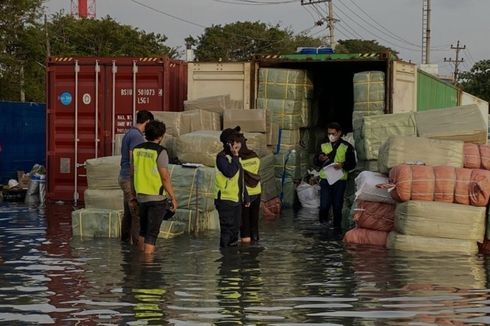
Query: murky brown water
[297, 275]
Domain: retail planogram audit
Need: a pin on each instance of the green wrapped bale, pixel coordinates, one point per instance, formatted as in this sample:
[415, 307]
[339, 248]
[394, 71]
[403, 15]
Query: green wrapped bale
[207, 220]
[369, 91]
[267, 178]
[292, 163]
[289, 114]
[284, 84]
[104, 199]
[103, 172]
[288, 190]
[171, 228]
[96, 223]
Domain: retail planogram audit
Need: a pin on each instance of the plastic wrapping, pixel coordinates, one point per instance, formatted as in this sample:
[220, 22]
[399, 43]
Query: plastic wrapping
[366, 183]
[179, 123]
[476, 156]
[96, 223]
[366, 237]
[404, 149]
[170, 229]
[287, 189]
[288, 114]
[216, 104]
[374, 216]
[308, 195]
[369, 91]
[440, 220]
[435, 245]
[207, 220]
[267, 179]
[248, 120]
[284, 84]
[465, 123]
[370, 132]
[103, 172]
[104, 199]
[292, 163]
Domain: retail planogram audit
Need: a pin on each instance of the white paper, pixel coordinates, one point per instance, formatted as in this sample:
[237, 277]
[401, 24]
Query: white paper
[333, 175]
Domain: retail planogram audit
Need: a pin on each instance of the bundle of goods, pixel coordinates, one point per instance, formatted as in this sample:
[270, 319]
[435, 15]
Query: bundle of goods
[374, 216]
[292, 163]
[367, 188]
[366, 237]
[271, 209]
[287, 190]
[267, 179]
[248, 120]
[418, 150]
[103, 188]
[208, 220]
[170, 229]
[179, 123]
[217, 104]
[96, 223]
[203, 146]
[440, 183]
[436, 245]
[476, 156]
[369, 92]
[465, 123]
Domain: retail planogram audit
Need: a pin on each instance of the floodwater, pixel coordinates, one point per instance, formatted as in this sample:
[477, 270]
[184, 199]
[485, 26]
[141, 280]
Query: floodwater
[299, 274]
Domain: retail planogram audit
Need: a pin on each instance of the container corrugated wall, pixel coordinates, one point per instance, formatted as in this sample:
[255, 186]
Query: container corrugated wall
[92, 99]
[22, 137]
[433, 93]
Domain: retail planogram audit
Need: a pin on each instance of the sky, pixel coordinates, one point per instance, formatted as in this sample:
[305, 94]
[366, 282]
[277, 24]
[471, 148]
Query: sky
[393, 23]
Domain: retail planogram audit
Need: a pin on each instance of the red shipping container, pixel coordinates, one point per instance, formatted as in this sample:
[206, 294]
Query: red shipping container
[92, 99]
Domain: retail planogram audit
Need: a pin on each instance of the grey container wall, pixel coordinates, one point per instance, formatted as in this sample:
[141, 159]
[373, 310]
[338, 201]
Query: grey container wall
[22, 137]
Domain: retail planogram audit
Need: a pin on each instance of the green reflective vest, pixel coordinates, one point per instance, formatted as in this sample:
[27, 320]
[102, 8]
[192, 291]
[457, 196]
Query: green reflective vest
[252, 165]
[339, 157]
[147, 180]
[227, 188]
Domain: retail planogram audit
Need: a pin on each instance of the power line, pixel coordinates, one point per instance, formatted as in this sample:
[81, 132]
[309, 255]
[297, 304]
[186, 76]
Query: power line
[456, 61]
[255, 3]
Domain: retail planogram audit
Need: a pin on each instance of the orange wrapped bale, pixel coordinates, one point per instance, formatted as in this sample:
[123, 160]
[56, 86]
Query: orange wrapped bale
[472, 159]
[441, 183]
[375, 216]
[366, 237]
[271, 209]
[480, 188]
[445, 182]
[485, 156]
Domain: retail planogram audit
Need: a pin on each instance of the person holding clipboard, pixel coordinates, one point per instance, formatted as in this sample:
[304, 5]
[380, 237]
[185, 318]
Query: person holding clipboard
[335, 158]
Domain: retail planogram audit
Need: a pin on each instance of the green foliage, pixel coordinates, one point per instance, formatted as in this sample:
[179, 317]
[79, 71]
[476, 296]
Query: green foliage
[241, 41]
[362, 46]
[477, 80]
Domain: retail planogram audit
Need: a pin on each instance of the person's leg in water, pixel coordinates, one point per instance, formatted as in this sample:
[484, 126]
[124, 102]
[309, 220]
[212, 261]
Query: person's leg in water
[338, 191]
[325, 201]
[130, 223]
[245, 225]
[229, 219]
[254, 218]
[155, 211]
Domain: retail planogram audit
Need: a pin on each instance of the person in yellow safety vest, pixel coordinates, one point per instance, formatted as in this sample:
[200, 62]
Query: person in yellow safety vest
[230, 191]
[339, 154]
[152, 184]
[249, 229]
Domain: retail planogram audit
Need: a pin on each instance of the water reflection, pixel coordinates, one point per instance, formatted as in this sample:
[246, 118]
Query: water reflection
[299, 274]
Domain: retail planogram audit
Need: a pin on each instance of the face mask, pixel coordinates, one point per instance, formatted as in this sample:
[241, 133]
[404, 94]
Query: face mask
[333, 138]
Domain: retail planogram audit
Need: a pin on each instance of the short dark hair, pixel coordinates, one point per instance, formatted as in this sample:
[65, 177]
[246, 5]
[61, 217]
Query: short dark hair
[334, 125]
[143, 116]
[154, 130]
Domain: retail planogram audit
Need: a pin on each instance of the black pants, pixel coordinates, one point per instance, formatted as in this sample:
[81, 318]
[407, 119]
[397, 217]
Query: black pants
[332, 195]
[250, 219]
[151, 218]
[229, 220]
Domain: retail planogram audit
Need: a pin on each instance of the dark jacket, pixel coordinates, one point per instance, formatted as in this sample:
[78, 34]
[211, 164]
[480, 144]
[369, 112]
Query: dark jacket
[350, 156]
[229, 169]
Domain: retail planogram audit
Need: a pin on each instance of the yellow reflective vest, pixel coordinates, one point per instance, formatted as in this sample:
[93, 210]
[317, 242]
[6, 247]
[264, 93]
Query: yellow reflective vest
[227, 188]
[339, 157]
[147, 180]
[252, 165]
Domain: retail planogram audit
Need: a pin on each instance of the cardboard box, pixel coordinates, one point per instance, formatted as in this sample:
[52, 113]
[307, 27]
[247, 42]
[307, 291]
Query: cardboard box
[248, 120]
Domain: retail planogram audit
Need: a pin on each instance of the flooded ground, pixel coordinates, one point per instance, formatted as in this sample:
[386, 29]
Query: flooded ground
[297, 275]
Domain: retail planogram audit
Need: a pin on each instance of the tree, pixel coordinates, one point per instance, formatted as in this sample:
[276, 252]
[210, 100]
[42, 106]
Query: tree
[477, 80]
[362, 46]
[242, 40]
[17, 19]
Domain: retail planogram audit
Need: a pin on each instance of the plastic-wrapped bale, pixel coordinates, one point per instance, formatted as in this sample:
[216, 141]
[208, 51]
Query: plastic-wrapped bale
[465, 123]
[218, 103]
[271, 209]
[172, 120]
[374, 216]
[369, 91]
[288, 190]
[410, 150]
[476, 156]
[207, 220]
[248, 120]
[104, 199]
[441, 184]
[367, 190]
[96, 223]
[170, 229]
[287, 139]
[288, 114]
[284, 84]
[440, 220]
[179, 123]
[267, 179]
[347, 216]
[366, 237]
[370, 132]
[203, 146]
[292, 163]
[435, 245]
[371, 166]
[103, 172]
[170, 144]
[186, 180]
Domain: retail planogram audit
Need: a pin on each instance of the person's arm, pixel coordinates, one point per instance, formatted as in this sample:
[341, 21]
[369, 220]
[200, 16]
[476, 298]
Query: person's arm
[320, 158]
[350, 159]
[229, 169]
[167, 185]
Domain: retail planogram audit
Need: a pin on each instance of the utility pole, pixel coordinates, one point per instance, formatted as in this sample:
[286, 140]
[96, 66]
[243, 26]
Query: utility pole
[426, 14]
[330, 18]
[457, 61]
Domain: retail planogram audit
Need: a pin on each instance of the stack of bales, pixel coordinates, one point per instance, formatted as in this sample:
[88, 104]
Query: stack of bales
[439, 179]
[286, 95]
